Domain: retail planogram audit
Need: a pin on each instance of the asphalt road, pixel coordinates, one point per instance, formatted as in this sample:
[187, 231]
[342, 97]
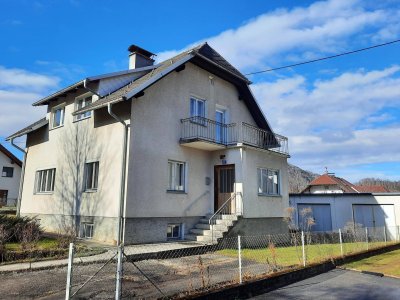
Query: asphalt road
[339, 284]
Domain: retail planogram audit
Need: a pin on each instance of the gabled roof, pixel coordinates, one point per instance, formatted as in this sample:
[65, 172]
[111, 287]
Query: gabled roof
[81, 83]
[203, 56]
[32, 127]
[10, 155]
[330, 179]
[344, 185]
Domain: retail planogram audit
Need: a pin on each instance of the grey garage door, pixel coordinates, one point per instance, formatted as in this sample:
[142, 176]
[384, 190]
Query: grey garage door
[321, 213]
[375, 216]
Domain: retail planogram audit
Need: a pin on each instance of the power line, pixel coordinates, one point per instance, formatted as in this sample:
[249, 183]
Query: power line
[324, 58]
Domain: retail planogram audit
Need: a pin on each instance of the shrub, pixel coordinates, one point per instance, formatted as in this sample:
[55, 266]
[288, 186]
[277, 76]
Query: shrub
[20, 229]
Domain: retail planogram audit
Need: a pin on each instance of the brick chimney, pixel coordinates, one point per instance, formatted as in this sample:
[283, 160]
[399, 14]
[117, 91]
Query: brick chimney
[139, 57]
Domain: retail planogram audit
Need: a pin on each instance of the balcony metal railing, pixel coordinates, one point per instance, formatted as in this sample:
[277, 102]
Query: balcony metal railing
[203, 129]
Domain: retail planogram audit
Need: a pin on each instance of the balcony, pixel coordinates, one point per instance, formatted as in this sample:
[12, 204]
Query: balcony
[206, 134]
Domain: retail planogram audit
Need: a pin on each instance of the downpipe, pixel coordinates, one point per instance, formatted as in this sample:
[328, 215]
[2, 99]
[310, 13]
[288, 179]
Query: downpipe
[121, 217]
[21, 182]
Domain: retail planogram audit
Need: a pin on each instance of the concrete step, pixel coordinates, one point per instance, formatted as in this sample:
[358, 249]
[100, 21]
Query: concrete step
[220, 227]
[200, 238]
[205, 232]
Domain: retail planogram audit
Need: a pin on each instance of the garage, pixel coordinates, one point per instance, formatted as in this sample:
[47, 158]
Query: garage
[321, 214]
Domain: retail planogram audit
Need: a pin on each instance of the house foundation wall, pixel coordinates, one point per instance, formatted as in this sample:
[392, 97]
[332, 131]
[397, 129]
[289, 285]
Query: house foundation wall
[153, 230]
[258, 226]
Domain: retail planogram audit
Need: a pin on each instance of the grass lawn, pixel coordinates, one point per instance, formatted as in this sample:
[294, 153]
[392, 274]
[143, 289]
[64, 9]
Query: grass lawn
[289, 256]
[46, 248]
[43, 244]
[386, 263]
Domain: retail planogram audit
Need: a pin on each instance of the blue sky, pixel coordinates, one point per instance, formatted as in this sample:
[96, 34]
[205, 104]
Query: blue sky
[342, 113]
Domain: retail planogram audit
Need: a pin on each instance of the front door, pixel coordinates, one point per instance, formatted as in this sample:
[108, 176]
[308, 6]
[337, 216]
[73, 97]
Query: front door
[224, 187]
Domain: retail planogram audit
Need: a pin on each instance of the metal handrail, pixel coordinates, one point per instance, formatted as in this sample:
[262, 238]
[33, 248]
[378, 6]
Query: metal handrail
[217, 213]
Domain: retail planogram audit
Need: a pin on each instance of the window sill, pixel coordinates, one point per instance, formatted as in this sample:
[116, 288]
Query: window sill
[90, 191]
[52, 128]
[270, 195]
[176, 192]
[44, 193]
[81, 119]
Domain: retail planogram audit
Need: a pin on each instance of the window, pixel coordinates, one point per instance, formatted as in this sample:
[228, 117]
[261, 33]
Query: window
[88, 230]
[58, 116]
[174, 231]
[268, 182]
[176, 176]
[3, 196]
[91, 175]
[45, 180]
[81, 103]
[7, 172]
[197, 108]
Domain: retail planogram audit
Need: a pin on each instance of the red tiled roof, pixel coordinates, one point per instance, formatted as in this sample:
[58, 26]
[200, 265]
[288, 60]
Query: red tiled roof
[329, 179]
[324, 180]
[371, 189]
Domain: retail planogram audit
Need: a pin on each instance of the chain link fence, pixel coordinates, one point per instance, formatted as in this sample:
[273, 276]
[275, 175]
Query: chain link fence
[178, 269]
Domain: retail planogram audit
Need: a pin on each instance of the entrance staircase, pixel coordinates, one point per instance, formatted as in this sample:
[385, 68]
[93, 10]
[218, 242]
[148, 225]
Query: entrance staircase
[212, 227]
[206, 233]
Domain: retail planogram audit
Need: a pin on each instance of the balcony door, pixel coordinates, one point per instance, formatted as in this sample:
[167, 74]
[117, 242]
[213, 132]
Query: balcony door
[220, 128]
[224, 187]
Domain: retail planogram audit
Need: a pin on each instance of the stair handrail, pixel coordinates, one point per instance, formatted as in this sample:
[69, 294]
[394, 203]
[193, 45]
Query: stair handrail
[217, 213]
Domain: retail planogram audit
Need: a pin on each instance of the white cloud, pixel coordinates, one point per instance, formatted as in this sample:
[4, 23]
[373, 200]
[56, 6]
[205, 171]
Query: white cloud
[327, 121]
[18, 90]
[322, 27]
[25, 80]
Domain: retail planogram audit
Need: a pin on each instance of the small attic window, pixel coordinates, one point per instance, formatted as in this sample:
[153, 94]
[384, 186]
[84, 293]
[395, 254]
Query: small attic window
[57, 116]
[81, 102]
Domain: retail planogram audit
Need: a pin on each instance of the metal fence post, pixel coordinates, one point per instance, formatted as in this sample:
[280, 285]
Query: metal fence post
[118, 284]
[384, 233]
[341, 241]
[240, 259]
[304, 250]
[366, 237]
[398, 233]
[69, 274]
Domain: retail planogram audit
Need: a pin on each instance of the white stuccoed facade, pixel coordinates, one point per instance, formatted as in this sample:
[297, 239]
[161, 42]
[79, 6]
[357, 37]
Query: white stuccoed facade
[9, 185]
[154, 139]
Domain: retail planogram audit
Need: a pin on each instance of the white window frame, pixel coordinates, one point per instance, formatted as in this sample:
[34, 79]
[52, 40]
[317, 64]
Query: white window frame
[196, 113]
[53, 114]
[41, 179]
[173, 184]
[264, 186]
[88, 228]
[180, 231]
[94, 184]
[84, 98]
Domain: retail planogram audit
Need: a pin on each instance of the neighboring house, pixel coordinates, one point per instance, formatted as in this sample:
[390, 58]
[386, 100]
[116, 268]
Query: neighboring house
[328, 183]
[10, 167]
[198, 144]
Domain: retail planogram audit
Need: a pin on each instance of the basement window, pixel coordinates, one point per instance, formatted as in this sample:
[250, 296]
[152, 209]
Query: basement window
[174, 231]
[88, 230]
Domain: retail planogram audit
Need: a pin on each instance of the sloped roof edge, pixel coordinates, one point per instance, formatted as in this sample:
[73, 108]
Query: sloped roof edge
[32, 127]
[10, 155]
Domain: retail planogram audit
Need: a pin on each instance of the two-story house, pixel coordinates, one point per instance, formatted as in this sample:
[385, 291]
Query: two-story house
[183, 143]
[10, 167]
